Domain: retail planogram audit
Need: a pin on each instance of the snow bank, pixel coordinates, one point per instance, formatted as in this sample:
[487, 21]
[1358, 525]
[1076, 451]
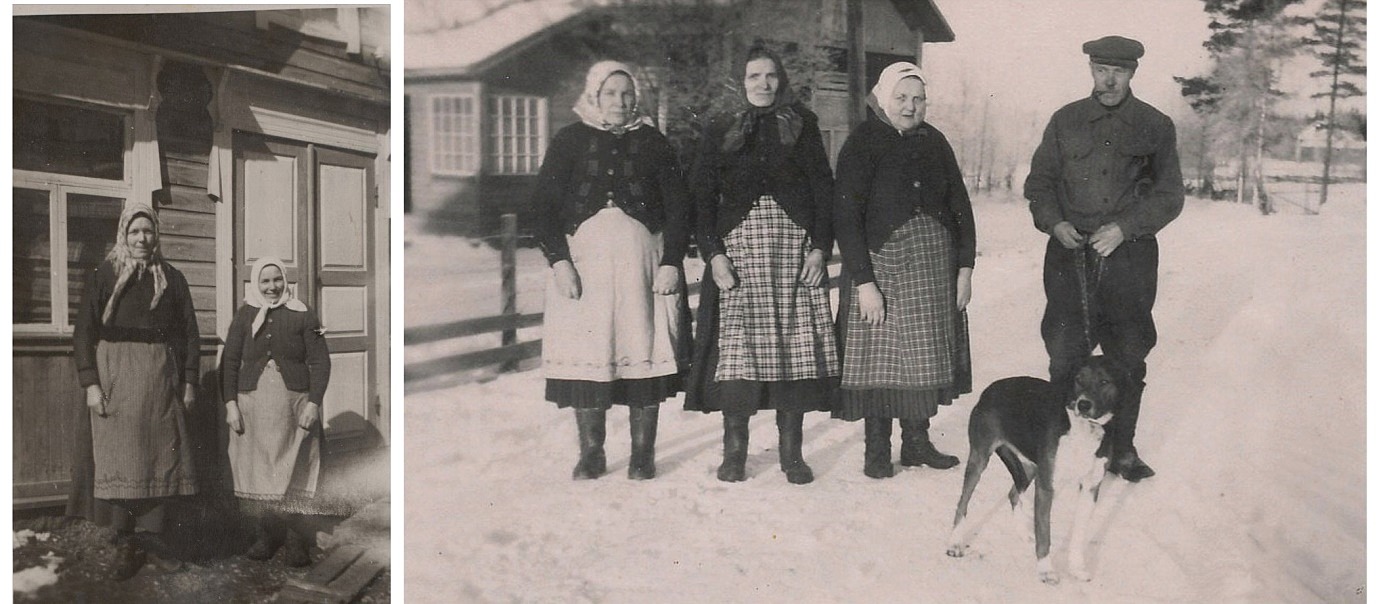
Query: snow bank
[1254, 420]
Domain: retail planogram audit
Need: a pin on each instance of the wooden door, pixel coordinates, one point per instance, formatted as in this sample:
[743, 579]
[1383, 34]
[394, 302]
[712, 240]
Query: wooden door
[313, 208]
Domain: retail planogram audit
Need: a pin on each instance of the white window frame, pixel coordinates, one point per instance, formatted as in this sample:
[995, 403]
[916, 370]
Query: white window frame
[455, 140]
[58, 187]
[523, 122]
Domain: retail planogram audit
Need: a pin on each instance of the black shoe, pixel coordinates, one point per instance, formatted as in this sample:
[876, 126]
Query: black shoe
[877, 451]
[644, 421]
[129, 559]
[735, 434]
[1131, 468]
[917, 450]
[791, 427]
[592, 435]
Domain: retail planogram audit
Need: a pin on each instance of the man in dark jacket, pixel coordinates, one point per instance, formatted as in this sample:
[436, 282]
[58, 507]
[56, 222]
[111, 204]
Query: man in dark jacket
[1104, 180]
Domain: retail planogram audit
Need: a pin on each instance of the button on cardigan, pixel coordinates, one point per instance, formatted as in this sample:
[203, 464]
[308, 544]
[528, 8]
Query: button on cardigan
[885, 178]
[288, 337]
[586, 170]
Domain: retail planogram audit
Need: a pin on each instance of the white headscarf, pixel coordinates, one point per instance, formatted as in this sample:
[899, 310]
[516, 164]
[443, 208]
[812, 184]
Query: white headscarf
[587, 109]
[257, 299]
[127, 266]
[891, 76]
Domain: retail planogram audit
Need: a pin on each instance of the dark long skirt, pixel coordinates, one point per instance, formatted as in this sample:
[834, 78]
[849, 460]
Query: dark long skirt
[918, 358]
[768, 343]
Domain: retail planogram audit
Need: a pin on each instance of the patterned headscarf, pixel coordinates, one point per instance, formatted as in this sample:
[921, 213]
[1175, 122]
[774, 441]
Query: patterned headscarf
[128, 266]
[789, 124]
[587, 108]
[257, 299]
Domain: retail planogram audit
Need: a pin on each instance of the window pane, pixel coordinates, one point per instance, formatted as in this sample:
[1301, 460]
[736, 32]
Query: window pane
[68, 140]
[92, 221]
[33, 254]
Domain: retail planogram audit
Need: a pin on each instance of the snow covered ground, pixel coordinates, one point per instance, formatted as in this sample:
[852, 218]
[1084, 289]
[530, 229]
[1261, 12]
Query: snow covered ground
[1254, 420]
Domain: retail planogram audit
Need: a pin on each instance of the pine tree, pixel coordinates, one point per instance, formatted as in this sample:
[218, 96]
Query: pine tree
[1250, 40]
[1339, 34]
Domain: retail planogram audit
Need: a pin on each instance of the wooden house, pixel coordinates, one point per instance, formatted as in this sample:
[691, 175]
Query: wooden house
[482, 99]
[253, 133]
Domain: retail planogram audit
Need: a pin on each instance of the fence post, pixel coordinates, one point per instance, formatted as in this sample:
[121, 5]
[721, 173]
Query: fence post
[508, 242]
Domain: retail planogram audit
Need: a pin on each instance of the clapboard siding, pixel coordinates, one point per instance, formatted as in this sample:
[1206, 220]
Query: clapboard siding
[177, 221]
[190, 199]
[47, 401]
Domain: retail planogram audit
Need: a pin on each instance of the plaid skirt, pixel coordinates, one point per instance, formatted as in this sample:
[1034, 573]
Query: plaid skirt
[772, 327]
[918, 358]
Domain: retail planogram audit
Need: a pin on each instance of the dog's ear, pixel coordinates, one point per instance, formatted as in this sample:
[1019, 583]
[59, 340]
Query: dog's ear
[1120, 373]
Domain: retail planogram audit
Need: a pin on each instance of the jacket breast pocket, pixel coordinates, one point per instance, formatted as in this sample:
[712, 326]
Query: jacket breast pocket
[1077, 158]
[1138, 156]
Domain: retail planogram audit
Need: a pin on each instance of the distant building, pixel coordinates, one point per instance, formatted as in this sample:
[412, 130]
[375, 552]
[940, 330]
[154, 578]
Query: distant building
[1349, 148]
[253, 133]
[483, 98]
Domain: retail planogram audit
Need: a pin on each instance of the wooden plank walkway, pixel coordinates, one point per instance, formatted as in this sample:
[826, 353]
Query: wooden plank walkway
[336, 579]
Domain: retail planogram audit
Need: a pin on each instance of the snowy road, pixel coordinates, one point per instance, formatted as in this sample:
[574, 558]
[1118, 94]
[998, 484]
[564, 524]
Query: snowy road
[1254, 420]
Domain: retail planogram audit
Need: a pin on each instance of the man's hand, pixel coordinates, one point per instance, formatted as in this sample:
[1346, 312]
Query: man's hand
[813, 271]
[871, 305]
[1067, 235]
[724, 276]
[666, 280]
[566, 277]
[1107, 239]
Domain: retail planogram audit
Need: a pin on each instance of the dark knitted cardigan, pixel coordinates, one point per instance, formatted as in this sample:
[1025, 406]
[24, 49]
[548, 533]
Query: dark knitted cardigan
[885, 178]
[585, 169]
[289, 337]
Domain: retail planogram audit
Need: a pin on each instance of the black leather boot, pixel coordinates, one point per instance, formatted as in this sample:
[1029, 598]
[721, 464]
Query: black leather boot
[592, 435]
[917, 450]
[877, 453]
[735, 434]
[791, 427]
[296, 542]
[644, 420]
[269, 536]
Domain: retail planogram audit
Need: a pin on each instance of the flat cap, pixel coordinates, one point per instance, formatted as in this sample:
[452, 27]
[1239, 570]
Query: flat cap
[1114, 50]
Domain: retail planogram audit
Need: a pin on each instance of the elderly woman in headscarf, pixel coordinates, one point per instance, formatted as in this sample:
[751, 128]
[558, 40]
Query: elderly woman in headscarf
[905, 228]
[763, 191]
[614, 227]
[275, 370]
[135, 344]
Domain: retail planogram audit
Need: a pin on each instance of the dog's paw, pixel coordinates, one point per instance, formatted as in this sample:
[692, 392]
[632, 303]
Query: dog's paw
[1081, 574]
[1047, 572]
[956, 550]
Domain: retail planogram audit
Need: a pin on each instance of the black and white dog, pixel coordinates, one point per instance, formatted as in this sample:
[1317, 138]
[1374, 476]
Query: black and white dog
[1051, 434]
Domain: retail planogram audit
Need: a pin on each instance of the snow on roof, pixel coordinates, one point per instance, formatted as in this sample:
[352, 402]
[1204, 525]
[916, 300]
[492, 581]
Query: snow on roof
[462, 48]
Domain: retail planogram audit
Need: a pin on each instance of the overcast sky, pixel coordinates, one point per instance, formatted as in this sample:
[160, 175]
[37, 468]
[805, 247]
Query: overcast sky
[1028, 52]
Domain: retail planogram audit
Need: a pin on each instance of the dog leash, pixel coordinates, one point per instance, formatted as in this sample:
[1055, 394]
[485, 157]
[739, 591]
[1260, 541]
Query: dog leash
[1081, 258]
